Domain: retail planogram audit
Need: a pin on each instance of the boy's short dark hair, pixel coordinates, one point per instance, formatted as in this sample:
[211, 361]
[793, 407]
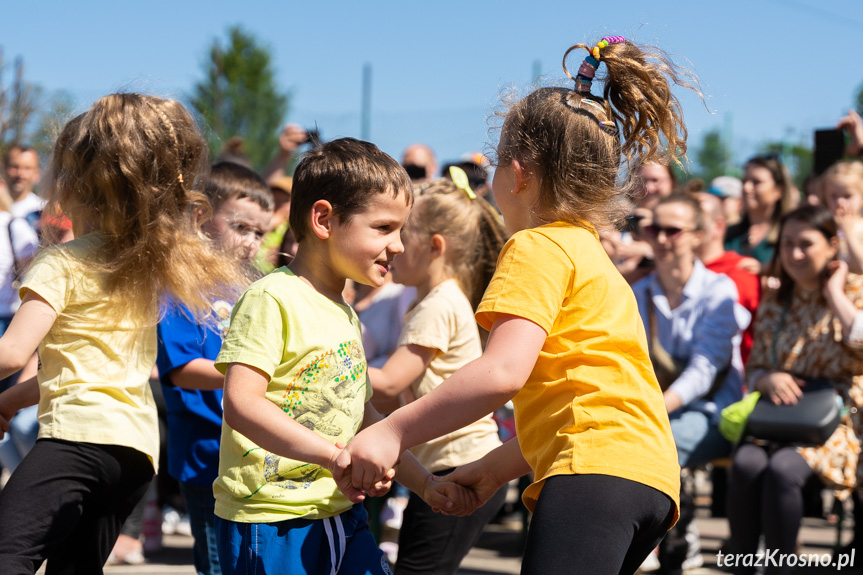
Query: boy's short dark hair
[346, 173]
[228, 181]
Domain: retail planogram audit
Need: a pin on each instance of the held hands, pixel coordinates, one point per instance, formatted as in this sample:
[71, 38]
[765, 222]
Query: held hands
[447, 497]
[344, 482]
[782, 388]
[369, 457]
[478, 479]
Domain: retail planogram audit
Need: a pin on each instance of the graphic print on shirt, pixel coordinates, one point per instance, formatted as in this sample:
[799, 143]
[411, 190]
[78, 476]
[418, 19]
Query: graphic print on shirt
[323, 397]
[222, 309]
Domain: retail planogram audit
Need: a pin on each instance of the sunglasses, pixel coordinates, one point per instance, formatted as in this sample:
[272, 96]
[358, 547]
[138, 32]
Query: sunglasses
[671, 232]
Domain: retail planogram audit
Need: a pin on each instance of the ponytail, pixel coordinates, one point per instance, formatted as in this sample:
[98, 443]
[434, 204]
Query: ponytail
[572, 142]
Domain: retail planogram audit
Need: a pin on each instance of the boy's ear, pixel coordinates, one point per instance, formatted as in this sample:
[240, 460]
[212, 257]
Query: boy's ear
[322, 219]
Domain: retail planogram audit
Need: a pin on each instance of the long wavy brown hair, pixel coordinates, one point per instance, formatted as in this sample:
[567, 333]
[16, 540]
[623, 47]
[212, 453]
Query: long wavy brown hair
[128, 169]
[574, 147]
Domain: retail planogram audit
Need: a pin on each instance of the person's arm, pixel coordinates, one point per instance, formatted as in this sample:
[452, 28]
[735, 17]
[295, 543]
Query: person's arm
[853, 124]
[404, 366]
[712, 346]
[834, 292]
[28, 327]
[197, 374]
[847, 222]
[21, 395]
[411, 473]
[474, 391]
[248, 411]
[290, 138]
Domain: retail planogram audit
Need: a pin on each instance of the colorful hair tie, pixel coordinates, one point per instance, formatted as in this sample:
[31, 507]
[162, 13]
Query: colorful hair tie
[459, 178]
[587, 70]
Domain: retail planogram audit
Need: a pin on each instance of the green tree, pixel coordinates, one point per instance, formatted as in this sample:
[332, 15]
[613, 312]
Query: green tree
[238, 97]
[713, 157]
[797, 157]
[19, 105]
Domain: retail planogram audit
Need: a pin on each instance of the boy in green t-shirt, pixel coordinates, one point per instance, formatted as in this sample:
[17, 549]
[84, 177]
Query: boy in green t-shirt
[296, 389]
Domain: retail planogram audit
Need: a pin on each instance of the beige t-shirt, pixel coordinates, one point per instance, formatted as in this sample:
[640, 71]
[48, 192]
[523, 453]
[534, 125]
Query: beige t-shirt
[94, 372]
[444, 321]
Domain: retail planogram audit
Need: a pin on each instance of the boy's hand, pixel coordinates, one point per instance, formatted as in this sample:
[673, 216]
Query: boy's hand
[476, 477]
[371, 454]
[343, 479]
[448, 498]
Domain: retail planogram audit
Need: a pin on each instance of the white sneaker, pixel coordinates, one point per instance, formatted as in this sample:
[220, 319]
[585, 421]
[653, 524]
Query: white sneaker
[693, 560]
[650, 563]
[173, 523]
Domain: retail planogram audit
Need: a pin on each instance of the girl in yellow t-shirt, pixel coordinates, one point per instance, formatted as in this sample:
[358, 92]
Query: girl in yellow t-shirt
[567, 344]
[124, 172]
[452, 240]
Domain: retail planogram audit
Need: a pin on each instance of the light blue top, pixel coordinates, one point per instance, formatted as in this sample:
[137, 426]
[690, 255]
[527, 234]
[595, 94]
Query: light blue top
[704, 331]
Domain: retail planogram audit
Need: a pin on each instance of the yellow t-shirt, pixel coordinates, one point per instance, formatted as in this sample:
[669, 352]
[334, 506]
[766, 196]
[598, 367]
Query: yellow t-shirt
[444, 321]
[591, 404]
[311, 349]
[94, 373]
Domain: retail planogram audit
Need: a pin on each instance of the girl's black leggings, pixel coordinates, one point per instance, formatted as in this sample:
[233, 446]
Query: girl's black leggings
[66, 503]
[594, 525]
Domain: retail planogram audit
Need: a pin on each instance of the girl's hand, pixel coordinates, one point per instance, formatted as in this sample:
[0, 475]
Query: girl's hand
[370, 455]
[448, 497]
[835, 282]
[782, 388]
[476, 477]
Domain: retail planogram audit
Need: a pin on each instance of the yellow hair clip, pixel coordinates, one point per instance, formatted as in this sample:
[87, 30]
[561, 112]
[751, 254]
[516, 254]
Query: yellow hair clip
[459, 178]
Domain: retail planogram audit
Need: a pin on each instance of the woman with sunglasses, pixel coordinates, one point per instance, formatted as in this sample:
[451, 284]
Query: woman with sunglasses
[810, 328]
[694, 326]
[768, 194]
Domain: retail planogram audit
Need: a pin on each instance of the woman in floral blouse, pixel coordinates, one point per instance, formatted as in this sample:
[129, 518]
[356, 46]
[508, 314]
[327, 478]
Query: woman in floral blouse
[811, 327]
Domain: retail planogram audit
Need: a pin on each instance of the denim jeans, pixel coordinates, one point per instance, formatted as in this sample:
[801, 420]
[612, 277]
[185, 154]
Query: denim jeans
[199, 504]
[697, 438]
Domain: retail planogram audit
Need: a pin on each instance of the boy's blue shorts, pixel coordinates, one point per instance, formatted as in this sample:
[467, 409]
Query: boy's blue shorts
[342, 544]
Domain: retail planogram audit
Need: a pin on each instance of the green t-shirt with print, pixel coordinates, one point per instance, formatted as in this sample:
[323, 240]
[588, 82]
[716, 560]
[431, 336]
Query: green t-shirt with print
[311, 348]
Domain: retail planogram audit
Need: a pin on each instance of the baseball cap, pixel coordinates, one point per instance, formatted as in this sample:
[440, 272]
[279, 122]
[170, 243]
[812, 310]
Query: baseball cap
[726, 187]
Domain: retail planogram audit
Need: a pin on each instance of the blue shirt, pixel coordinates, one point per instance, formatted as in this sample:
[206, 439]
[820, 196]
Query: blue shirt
[194, 416]
[703, 331]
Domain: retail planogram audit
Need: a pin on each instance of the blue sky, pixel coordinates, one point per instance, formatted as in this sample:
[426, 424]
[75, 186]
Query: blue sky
[771, 69]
